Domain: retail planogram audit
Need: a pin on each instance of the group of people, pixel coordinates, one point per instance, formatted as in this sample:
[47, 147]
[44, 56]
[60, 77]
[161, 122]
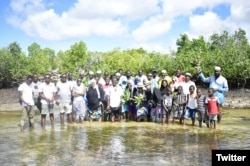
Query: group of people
[154, 97]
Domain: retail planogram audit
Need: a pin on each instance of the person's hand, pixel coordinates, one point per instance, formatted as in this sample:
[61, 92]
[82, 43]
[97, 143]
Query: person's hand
[100, 103]
[108, 107]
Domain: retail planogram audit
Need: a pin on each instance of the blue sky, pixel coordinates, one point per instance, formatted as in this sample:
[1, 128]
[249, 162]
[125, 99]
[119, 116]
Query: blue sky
[103, 25]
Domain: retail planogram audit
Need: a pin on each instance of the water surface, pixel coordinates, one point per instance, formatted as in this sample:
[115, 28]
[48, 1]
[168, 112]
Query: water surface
[125, 143]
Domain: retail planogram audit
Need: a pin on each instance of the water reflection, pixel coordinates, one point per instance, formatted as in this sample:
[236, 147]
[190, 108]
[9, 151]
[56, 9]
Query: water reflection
[122, 143]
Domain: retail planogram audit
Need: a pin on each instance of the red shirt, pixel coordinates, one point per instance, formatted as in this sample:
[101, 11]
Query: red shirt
[212, 103]
[181, 78]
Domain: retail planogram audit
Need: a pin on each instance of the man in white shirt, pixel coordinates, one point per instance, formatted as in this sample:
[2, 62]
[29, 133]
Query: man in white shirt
[187, 83]
[47, 94]
[99, 75]
[26, 98]
[64, 95]
[219, 84]
[114, 98]
[140, 76]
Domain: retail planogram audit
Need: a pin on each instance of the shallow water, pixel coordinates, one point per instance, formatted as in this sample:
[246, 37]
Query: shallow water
[125, 143]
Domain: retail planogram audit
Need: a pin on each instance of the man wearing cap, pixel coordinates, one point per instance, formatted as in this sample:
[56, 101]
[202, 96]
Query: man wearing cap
[187, 83]
[91, 77]
[218, 83]
[99, 75]
[164, 76]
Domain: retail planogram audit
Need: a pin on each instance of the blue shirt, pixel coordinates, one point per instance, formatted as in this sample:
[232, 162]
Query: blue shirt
[220, 83]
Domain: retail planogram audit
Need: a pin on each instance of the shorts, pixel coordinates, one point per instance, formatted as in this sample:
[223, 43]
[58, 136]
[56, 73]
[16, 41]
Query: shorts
[27, 112]
[115, 111]
[201, 115]
[47, 109]
[142, 112]
[178, 111]
[65, 108]
[79, 108]
[190, 113]
[165, 113]
[213, 117]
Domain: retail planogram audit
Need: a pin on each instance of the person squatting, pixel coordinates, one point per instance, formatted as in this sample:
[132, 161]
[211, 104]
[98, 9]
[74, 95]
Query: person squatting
[154, 97]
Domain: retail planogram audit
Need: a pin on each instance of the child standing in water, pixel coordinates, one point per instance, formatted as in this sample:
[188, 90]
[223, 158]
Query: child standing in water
[201, 106]
[167, 105]
[212, 108]
[191, 105]
[179, 103]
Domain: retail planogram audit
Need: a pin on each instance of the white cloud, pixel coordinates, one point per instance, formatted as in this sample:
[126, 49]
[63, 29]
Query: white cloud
[141, 21]
[205, 24]
[152, 28]
[106, 18]
[240, 11]
[152, 46]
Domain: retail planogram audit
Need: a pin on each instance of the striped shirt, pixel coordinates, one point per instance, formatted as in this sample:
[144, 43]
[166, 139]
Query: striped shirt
[180, 98]
[201, 103]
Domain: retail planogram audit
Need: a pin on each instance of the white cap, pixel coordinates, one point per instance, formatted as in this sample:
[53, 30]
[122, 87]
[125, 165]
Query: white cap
[163, 71]
[118, 74]
[188, 74]
[91, 72]
[92, 81]
[98, 72]
[139, 85]
[217, 68]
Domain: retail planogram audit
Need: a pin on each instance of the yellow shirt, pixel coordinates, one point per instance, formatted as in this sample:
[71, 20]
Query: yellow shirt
[167, 78]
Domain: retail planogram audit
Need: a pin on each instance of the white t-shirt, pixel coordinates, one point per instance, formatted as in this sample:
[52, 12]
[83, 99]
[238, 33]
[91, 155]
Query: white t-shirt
[192, 102]
[27, 93]
[115, 94]
[36, 88]
[79, 89]
[185, 85]
[48, 90]
[64, 90]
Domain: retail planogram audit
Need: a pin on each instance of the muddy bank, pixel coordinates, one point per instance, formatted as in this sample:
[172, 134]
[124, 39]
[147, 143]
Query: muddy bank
[238, 98]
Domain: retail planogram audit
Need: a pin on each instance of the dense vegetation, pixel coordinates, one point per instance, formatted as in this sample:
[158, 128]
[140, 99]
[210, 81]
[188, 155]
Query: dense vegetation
[230, 51]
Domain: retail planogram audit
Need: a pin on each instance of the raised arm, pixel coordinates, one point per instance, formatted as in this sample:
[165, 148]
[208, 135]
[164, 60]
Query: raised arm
[203, 78]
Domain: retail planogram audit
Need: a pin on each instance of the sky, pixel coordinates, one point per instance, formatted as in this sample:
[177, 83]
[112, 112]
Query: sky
[104, 25]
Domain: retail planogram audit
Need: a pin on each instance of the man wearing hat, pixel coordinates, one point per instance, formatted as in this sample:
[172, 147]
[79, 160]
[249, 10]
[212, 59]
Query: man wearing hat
[218, 83]
[187, 83]
[99, 75]
[91, 77]
[164, 76]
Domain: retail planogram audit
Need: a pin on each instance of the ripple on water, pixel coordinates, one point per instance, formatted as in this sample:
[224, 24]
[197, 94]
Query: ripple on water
[125, 143]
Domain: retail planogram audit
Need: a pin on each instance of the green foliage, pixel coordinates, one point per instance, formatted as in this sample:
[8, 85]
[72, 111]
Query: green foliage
[230, 51]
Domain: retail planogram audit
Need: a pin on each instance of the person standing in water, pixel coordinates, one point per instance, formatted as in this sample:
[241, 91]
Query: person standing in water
[212, 108]
[26, 98]
[219, 84]
[47, 94]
